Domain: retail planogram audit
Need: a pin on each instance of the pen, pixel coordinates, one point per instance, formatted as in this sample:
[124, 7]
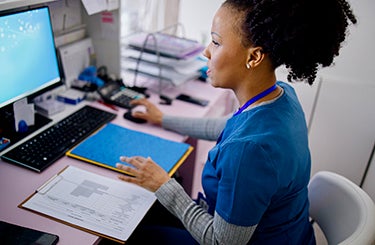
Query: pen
[108, 105]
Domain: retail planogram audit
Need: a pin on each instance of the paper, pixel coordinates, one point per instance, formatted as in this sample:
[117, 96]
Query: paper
[166, 45]
[97, 6]
[75, 57]
[101, 205]
[165, 73]
[94, 6]
[109, 26]
[112, 5]
[182, 66]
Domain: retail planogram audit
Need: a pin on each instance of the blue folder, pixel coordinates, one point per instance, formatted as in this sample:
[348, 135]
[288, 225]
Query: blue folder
[105, 147]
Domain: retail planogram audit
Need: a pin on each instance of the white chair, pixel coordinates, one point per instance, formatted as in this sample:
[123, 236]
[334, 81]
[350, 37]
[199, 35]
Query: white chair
[343, 211]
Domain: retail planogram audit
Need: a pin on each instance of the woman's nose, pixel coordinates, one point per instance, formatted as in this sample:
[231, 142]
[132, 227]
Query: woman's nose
[206, 52]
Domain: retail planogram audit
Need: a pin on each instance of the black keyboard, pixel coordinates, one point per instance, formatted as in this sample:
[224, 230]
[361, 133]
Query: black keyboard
[52, 143]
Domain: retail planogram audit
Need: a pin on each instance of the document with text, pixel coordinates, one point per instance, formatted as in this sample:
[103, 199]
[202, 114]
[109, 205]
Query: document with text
[106, 207]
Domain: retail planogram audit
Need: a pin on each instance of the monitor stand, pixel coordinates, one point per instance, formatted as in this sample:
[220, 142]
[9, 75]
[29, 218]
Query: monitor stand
[8, 131]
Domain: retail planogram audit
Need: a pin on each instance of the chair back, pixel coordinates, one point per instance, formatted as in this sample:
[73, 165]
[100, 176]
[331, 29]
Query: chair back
[344, 212]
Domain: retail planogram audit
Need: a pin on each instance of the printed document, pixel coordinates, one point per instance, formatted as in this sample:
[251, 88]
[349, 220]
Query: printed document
[97, 204]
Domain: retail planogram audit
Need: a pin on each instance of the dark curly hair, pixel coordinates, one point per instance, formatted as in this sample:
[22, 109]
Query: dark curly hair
[302, 34]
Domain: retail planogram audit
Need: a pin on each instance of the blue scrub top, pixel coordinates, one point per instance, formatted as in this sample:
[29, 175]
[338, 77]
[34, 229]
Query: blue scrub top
[259, 170]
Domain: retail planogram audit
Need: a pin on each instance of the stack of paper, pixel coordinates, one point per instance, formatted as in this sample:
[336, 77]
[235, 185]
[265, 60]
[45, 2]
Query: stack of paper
[163, 56]
[166, 45]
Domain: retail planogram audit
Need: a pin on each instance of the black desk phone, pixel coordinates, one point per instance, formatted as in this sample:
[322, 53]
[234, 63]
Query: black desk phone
[116, 93]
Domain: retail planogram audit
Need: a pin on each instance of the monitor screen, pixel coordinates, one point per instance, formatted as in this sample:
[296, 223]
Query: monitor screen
[28, 61]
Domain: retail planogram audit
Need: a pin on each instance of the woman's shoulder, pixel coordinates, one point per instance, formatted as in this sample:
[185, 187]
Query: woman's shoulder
[285, 85]
[289, 91]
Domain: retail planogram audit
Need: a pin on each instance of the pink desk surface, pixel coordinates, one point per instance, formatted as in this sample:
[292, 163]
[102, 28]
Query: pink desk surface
[17, 183]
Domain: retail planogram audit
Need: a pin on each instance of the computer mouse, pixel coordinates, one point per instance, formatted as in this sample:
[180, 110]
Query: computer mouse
[128, 115]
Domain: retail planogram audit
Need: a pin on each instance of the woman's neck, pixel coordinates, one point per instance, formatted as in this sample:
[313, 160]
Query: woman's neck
[251, 89]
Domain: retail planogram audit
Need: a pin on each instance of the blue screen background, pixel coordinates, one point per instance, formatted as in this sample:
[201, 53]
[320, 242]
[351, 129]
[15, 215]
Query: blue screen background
[27, 54]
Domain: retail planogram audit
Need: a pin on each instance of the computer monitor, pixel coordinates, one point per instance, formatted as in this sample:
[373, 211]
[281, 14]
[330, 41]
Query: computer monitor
[28, 60]
[28, 64]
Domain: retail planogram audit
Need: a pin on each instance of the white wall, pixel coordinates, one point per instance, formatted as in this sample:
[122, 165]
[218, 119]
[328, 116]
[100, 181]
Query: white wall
[196, 16]
[356, 61]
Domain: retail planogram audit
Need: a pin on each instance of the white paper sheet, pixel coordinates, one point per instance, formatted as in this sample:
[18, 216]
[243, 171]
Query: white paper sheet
[94, 6]
[75, 57]
[106, 206]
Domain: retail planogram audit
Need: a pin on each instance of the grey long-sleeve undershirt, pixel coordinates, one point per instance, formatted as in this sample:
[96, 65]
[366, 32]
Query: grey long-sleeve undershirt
[200, 128]
[205, 228]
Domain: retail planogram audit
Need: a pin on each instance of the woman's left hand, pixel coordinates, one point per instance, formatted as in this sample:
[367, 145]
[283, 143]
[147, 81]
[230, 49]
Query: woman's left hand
[146, 173]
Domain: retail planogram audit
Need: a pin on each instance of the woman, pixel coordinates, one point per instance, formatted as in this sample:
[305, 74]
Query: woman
[255, 178]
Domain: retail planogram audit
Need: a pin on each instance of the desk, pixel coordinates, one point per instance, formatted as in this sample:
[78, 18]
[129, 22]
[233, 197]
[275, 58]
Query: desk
[17, 183]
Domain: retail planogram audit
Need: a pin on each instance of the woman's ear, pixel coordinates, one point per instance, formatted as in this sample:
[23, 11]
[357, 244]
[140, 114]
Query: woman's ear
[255, 57]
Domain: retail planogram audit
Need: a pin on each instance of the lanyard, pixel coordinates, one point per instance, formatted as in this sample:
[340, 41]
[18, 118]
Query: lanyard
[249, 102]
[255, 98]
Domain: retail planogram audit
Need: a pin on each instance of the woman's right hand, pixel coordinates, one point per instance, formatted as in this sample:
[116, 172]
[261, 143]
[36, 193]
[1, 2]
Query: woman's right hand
[152, 113]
